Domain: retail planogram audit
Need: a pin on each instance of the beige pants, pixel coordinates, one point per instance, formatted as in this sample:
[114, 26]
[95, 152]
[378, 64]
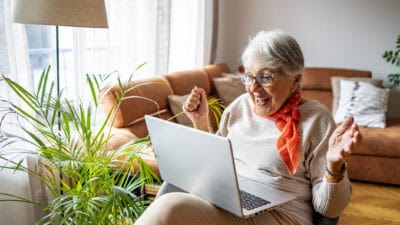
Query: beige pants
[186, 209]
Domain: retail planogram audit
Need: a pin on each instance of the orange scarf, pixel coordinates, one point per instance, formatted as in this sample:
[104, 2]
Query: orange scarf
[288, 143]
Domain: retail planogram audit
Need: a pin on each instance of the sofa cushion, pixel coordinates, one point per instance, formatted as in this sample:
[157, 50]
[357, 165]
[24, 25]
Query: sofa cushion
[183, 82]
[119, 136]
[323, 97]
[363, 100]
[138, 127]
[319, 78]
[213, 71]
[374, 168]
[316, 82]
[229, 87]
[335, 81]
[175, 104]
[381, 142]
[155, 90]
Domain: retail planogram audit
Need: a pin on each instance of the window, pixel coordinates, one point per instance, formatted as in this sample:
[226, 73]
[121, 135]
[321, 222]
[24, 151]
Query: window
[167, 34]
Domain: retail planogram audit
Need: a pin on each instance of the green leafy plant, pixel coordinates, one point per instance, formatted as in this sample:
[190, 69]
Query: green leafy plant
[393, 57]
[215, 106]
[86, 184]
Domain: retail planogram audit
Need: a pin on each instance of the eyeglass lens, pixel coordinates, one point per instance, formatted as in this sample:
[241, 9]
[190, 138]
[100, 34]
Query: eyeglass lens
[262, 79]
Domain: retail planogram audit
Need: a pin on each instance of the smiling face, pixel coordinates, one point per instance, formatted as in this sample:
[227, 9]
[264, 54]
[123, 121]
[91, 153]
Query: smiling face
[269, 98]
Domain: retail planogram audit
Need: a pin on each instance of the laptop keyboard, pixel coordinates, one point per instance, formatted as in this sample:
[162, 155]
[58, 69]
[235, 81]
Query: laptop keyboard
[250, 201]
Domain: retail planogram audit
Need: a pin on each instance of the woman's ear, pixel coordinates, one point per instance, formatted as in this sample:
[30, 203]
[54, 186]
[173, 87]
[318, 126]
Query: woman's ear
[296, 82]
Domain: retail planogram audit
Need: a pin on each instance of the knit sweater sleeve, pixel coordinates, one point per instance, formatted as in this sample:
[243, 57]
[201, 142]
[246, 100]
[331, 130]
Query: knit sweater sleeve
[329, 199]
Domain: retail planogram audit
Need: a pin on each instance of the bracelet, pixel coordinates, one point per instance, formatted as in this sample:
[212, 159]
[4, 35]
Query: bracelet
[339, 174]
[333, 179]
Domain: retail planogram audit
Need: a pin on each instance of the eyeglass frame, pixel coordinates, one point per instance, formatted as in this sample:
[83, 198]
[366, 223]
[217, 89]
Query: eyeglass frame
[272, 76]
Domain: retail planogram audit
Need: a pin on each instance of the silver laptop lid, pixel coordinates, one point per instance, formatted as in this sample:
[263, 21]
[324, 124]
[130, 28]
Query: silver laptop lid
[196, 162]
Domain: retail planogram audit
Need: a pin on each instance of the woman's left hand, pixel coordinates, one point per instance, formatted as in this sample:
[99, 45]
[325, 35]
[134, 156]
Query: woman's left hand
[342, 143]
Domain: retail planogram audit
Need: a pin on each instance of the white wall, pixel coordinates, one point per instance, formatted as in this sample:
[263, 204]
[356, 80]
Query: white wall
[333, 33]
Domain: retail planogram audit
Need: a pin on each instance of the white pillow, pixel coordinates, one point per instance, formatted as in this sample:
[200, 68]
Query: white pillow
[335, 82]
[366, 102]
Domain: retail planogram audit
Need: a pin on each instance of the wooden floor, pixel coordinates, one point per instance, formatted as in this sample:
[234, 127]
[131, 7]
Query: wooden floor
[372, 204]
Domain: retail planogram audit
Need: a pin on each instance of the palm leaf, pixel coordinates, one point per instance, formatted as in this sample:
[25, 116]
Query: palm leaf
[15, 198]
[85, 183]
[92, 90]
[43, 83]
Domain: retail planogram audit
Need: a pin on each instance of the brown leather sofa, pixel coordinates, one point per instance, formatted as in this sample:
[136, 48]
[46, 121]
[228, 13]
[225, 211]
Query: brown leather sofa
[129, 122]
[376, 160]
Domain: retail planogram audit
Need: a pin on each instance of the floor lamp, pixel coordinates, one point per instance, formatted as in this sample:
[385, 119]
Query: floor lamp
[75, 13]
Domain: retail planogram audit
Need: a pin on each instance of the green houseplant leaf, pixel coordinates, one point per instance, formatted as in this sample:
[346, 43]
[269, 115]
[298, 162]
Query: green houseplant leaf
[86, 184]
[393, 57]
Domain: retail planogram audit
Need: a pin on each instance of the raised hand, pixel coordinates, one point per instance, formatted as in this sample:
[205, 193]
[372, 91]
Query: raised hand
[196, 108]
[342, 143]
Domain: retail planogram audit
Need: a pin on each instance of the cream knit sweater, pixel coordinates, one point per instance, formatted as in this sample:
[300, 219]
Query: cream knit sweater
[256, 157]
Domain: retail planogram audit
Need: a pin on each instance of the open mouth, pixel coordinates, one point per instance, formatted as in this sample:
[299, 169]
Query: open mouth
[261, 101]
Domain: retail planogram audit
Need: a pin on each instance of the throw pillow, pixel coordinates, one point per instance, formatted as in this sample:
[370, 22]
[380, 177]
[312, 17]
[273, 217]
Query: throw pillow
[335, 81]
[175, 104]
[229, 87]
[366, 102]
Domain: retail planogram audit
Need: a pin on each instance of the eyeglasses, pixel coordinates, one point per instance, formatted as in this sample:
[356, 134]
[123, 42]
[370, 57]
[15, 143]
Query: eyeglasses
[262, 79]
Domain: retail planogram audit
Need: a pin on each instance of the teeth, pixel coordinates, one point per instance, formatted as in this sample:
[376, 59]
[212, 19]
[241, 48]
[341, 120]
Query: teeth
[258, 99]
[261, 101]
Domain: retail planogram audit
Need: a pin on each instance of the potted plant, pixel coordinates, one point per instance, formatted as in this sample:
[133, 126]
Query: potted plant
[393, 57]
[85, 184]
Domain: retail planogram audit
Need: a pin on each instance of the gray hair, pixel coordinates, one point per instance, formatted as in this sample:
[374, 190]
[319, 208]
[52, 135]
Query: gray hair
[275, 49]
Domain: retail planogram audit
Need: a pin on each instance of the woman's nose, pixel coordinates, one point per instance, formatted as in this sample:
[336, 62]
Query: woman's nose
[254, 85]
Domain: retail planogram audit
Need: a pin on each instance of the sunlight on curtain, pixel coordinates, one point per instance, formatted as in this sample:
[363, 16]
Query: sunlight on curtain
[14, 63]
[129, 41]
[132, 38]
[191, 34]
[170, 35]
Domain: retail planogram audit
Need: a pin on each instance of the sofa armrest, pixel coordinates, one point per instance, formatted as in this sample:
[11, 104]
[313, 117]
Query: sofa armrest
[119, 137]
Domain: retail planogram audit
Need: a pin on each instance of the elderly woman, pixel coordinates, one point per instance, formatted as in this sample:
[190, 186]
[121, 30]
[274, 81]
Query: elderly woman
[278, 137]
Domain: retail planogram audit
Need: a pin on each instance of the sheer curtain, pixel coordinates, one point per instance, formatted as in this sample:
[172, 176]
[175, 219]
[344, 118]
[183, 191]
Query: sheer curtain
[129, 41]
[14, 63]
[191, 36]
[169, 35]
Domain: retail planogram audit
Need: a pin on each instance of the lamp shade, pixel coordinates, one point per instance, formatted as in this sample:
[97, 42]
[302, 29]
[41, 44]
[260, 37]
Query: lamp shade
[77, 13]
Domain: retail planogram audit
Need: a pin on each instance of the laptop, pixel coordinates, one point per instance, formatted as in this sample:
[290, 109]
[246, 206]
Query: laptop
[202, 164]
